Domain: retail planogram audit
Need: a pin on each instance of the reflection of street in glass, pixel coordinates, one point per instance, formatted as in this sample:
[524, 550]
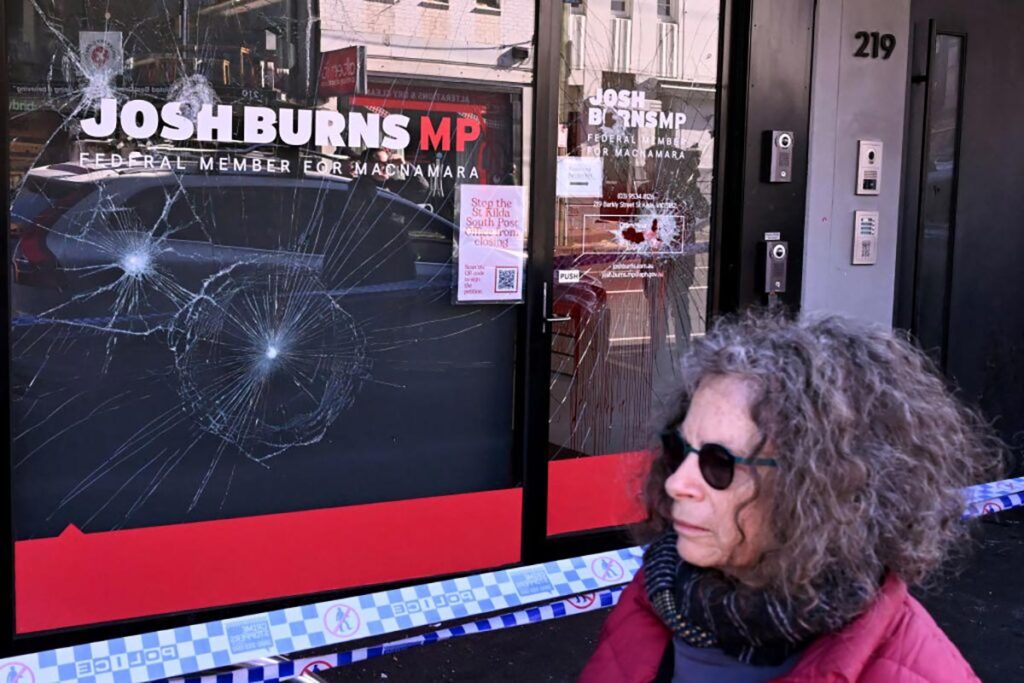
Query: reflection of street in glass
[278, 301]
[646, 242]
[633, 218]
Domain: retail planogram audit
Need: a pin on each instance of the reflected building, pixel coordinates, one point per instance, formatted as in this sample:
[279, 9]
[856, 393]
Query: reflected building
[668, 51]
[636, 155]
[443, 64]
[63, 57]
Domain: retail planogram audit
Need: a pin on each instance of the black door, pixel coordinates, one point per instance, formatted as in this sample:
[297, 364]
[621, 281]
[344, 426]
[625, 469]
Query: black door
[960, 279]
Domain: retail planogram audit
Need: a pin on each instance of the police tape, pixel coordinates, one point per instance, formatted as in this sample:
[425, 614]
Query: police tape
[292, 668]
[995, 489]
[996, 496]
[994, 505]
[178, 652]
[219, 644]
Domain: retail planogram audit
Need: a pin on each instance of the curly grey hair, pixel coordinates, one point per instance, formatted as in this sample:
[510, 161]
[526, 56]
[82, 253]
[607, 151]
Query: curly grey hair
[873, 452]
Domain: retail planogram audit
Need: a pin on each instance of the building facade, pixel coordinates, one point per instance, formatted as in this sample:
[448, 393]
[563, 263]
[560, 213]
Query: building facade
[402, 285]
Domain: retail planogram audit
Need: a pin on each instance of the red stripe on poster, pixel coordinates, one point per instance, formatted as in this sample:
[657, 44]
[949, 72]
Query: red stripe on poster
[77, 579]
[595, 491]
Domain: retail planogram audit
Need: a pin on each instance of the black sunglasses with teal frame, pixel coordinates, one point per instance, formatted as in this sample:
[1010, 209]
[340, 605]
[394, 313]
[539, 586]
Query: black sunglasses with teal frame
[717, 463]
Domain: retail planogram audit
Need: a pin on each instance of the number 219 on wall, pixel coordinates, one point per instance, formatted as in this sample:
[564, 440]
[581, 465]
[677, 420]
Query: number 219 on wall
[880, 44]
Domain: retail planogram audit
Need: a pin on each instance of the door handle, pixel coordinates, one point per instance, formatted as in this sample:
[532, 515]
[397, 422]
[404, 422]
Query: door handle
[544, 309]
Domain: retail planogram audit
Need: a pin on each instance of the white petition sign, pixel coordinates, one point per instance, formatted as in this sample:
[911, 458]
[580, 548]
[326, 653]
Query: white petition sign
[491, 236]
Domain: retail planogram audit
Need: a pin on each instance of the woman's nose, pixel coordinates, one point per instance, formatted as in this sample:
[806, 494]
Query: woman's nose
[686, 481]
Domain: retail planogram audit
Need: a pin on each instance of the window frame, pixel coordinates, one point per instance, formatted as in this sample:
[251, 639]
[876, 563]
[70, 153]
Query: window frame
[626, 10]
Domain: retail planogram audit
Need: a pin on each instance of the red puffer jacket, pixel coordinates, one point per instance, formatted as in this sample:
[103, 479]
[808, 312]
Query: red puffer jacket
[895, 641]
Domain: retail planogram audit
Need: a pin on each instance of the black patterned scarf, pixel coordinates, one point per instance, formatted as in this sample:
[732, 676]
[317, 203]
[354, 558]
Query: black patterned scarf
[706, 608]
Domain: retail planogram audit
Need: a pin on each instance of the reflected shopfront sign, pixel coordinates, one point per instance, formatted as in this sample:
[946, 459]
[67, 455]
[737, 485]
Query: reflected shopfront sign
[343, 72]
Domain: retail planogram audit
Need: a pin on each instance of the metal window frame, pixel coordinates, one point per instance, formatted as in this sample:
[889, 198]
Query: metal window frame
[625, 12]
[911, 240]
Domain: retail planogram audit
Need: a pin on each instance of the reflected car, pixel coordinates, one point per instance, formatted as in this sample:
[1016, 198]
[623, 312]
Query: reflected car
[269, 292]
[78, 231]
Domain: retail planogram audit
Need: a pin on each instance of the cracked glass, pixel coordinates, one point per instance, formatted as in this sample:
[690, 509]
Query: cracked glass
[633, 222]
[214, 325]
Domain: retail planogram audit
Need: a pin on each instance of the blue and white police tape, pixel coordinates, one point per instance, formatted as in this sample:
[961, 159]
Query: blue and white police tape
[987, 499]
[995, 489]
[993, 505]
[274, 671]
[218, 644]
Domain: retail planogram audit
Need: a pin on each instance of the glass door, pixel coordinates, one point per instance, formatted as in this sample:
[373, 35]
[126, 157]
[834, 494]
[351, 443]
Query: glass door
[637, 96]
[936, 206]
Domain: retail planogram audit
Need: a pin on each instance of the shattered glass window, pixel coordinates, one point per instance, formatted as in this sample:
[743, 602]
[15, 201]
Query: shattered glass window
[218, 325]
[636, 163]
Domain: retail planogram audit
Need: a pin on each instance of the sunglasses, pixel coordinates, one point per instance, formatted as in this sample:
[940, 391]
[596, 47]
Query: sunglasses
[717, 463]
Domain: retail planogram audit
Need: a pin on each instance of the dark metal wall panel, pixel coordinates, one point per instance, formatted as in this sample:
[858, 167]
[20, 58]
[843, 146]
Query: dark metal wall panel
[535, 354]
[770, 77]
[985, 340]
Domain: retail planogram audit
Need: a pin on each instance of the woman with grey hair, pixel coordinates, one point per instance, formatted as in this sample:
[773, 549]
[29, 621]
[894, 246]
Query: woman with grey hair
[810, 471]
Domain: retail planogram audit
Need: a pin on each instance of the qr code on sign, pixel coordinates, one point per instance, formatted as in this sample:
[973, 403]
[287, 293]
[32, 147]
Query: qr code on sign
[506, 280]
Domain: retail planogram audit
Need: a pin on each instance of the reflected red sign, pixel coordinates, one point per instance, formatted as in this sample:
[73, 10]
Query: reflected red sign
[343, 72]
